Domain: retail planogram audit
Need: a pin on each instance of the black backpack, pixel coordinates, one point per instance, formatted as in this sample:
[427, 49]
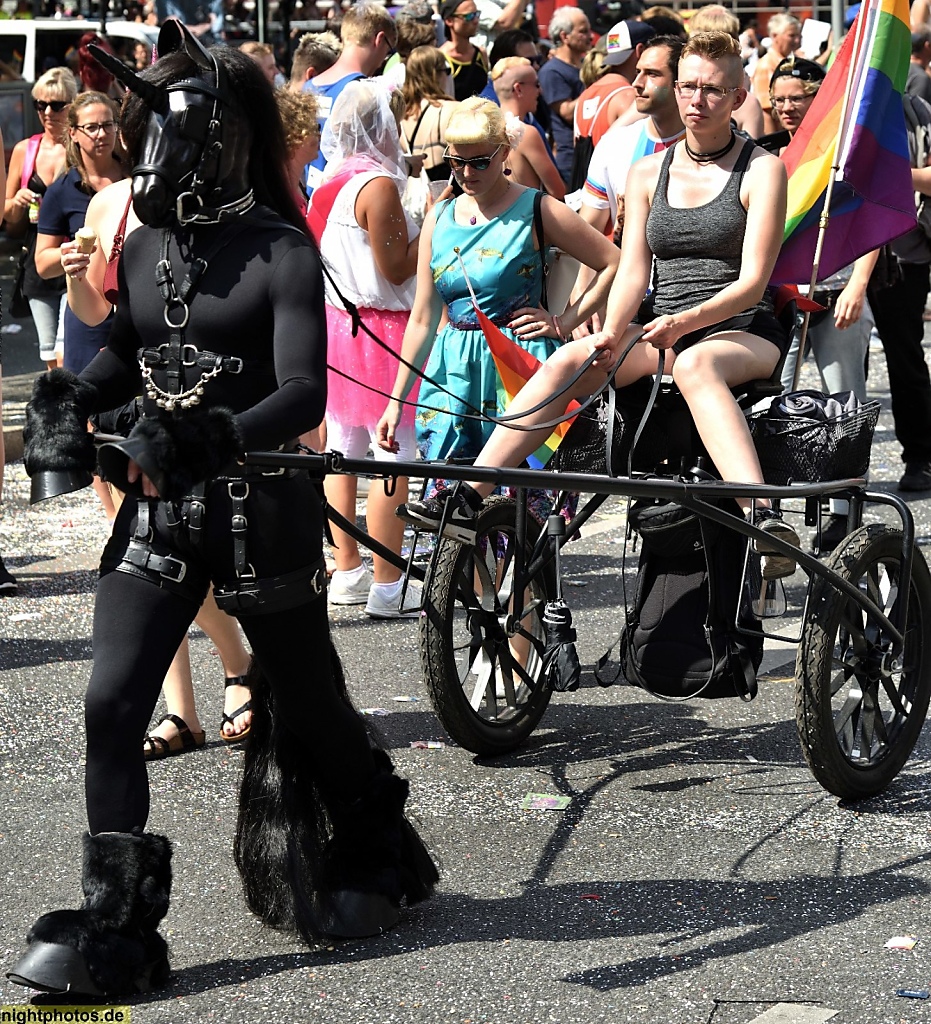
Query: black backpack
[679, 640]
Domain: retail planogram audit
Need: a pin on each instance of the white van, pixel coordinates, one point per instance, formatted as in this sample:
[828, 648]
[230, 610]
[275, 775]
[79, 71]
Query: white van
[32, 45]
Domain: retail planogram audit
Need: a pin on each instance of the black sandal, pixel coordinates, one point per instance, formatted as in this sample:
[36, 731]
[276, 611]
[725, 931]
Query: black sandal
[230, 719]
[155, 747]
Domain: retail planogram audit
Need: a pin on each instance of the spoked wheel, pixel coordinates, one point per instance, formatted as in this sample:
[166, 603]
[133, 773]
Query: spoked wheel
[859, 710]
[484, 672]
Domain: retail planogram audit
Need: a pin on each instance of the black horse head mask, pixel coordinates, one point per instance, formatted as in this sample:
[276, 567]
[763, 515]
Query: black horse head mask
[194, 153]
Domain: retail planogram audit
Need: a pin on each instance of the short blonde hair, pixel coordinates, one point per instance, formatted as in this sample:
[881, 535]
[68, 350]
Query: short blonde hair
[298, 112]
[59, 83]
[252, 48]
[719, 46]
[506, 63]
[476, 121]
[714, 18]
[364, 20]
[593, 66]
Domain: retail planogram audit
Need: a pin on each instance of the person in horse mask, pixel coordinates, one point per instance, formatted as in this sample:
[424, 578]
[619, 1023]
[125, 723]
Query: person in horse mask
[231, 356]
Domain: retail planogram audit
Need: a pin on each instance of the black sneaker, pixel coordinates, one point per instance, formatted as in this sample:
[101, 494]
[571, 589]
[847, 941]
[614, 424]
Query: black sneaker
[8, 585]
[775, 564]
[917, 477]
[452, 508]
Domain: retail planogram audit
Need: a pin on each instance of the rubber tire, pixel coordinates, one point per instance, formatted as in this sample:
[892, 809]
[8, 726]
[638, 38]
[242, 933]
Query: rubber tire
[494, 733]
[832, 759]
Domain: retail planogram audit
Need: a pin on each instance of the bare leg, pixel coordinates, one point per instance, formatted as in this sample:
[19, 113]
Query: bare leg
[341, 494]
[507, 447]
[106, 499]
[385, 526]
[178, 689]
[223, 630]
[704, 374]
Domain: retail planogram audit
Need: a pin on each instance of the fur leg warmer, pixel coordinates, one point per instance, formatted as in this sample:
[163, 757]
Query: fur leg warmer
[375, 859]
[110, 946]
[55, 438]
[310, 865]
[176, 451]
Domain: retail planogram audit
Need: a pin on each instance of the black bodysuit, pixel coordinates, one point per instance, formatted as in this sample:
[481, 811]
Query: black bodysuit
[261, 300]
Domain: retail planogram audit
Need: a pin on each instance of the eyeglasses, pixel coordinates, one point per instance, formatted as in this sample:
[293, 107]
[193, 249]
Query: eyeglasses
[792, 101]
[471, 16]
[57, 105]
[712, 93]
[93, 130]
[477, 163]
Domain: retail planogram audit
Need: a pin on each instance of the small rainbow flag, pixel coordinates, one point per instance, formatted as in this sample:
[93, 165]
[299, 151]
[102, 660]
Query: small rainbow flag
[873, 200]
[515, 367]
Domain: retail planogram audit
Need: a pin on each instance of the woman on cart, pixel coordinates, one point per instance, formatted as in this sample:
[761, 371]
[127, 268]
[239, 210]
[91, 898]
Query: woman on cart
[708, 215]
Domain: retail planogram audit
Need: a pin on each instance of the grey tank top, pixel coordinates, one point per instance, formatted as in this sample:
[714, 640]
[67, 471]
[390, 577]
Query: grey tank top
[697, 251]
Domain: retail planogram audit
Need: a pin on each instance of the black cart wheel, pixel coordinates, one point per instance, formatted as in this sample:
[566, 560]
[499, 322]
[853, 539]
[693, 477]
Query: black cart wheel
[485, 680]
[859, 710]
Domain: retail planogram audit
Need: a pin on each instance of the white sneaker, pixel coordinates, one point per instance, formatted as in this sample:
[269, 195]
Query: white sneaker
[380, 607]
[351, 590]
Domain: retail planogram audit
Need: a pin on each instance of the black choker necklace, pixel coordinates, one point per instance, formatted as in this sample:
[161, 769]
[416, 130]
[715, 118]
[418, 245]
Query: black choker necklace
[708, 158]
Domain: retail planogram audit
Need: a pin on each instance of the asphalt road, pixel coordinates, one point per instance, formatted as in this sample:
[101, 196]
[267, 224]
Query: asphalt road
[699, 873]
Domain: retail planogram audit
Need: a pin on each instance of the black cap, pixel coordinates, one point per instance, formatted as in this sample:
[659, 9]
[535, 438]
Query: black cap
[448, 8]
[798, 67]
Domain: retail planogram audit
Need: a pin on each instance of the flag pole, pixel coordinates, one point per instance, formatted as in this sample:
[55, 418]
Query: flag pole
[835, 168]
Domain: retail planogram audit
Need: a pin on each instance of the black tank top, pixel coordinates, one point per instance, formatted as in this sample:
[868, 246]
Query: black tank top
[36, 287]
[469, 79]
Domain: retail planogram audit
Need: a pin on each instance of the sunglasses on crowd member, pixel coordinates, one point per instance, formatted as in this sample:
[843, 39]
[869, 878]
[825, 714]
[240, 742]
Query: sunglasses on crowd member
[477, 163]
[471, 16]
[57, 105]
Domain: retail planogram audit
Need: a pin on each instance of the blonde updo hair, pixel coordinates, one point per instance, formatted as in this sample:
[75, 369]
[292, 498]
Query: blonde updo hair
[476, 122]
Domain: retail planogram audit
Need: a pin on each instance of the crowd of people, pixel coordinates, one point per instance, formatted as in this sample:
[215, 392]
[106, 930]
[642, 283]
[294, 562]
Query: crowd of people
[433, 155]
[565, 116]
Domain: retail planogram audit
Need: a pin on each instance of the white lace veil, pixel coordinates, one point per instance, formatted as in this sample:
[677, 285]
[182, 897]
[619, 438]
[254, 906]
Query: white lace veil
[361, 126]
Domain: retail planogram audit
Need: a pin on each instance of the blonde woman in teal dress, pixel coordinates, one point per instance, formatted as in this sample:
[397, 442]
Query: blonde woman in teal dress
[490, 228]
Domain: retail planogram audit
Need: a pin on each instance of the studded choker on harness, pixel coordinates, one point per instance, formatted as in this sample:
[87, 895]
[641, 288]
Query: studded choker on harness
[175, 353]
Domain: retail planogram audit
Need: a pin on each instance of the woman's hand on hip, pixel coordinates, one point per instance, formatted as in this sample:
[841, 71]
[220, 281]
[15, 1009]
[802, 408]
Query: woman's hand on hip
[532, 322]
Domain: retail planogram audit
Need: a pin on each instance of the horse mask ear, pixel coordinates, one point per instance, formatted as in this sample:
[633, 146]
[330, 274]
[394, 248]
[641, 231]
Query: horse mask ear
[175, 36]
[150, 94]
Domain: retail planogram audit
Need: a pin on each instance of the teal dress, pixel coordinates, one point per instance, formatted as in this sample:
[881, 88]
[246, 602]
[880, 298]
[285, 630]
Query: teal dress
[506, 274]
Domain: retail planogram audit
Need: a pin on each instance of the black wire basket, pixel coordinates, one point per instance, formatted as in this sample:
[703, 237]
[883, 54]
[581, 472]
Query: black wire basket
[798, 449]
[584, 448]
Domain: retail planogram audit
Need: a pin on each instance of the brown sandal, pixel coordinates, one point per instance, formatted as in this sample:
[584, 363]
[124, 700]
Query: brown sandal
[157, 747]
[230, 719]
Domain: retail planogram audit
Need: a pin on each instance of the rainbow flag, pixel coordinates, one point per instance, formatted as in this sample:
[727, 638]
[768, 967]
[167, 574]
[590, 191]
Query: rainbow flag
[873, 200]
[515, 367]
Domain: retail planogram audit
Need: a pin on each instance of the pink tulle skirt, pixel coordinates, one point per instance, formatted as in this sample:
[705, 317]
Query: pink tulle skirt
[362, 359]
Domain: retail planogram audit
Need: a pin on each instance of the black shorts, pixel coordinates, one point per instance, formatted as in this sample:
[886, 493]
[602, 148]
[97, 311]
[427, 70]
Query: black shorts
[761, 324]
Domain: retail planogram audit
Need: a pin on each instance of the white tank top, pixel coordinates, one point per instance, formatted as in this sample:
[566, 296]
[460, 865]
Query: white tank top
[347, 250]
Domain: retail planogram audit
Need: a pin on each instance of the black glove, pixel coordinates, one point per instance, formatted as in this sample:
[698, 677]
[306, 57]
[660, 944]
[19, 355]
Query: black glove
[55, 438]
[175, 451]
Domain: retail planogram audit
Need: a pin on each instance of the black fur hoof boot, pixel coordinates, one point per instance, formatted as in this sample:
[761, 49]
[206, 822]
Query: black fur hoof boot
[111, 945]
[376, 860]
